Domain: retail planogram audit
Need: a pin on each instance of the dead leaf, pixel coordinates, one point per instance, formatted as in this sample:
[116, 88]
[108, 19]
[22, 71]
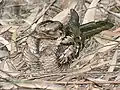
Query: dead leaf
[33, 84]
[96, 80]
[88, 68]
[84, 61]
[110, 33]
[88, 58]
[7, 66]
[113, 62]
[3, 23]
[108, 46]
[6, 43]
[31, 18]
[101, 40]
[35, 24]
[4, 29]
[63, 16]
[8, 86]
[90, 14]
[118, 77]
[3, 53]
[95, 88]
[117, 30]
[7, 69]
[13, 28]
[117, 1]
[65, 3]
[3, 74]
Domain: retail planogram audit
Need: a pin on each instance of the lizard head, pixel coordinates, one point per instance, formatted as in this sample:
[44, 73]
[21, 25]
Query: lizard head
[49, 29]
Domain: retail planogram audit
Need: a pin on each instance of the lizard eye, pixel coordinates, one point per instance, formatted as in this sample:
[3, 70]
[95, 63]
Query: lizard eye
[78, 38]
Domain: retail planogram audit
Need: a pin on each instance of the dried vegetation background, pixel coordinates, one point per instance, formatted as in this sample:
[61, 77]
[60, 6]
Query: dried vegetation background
[98, 64]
